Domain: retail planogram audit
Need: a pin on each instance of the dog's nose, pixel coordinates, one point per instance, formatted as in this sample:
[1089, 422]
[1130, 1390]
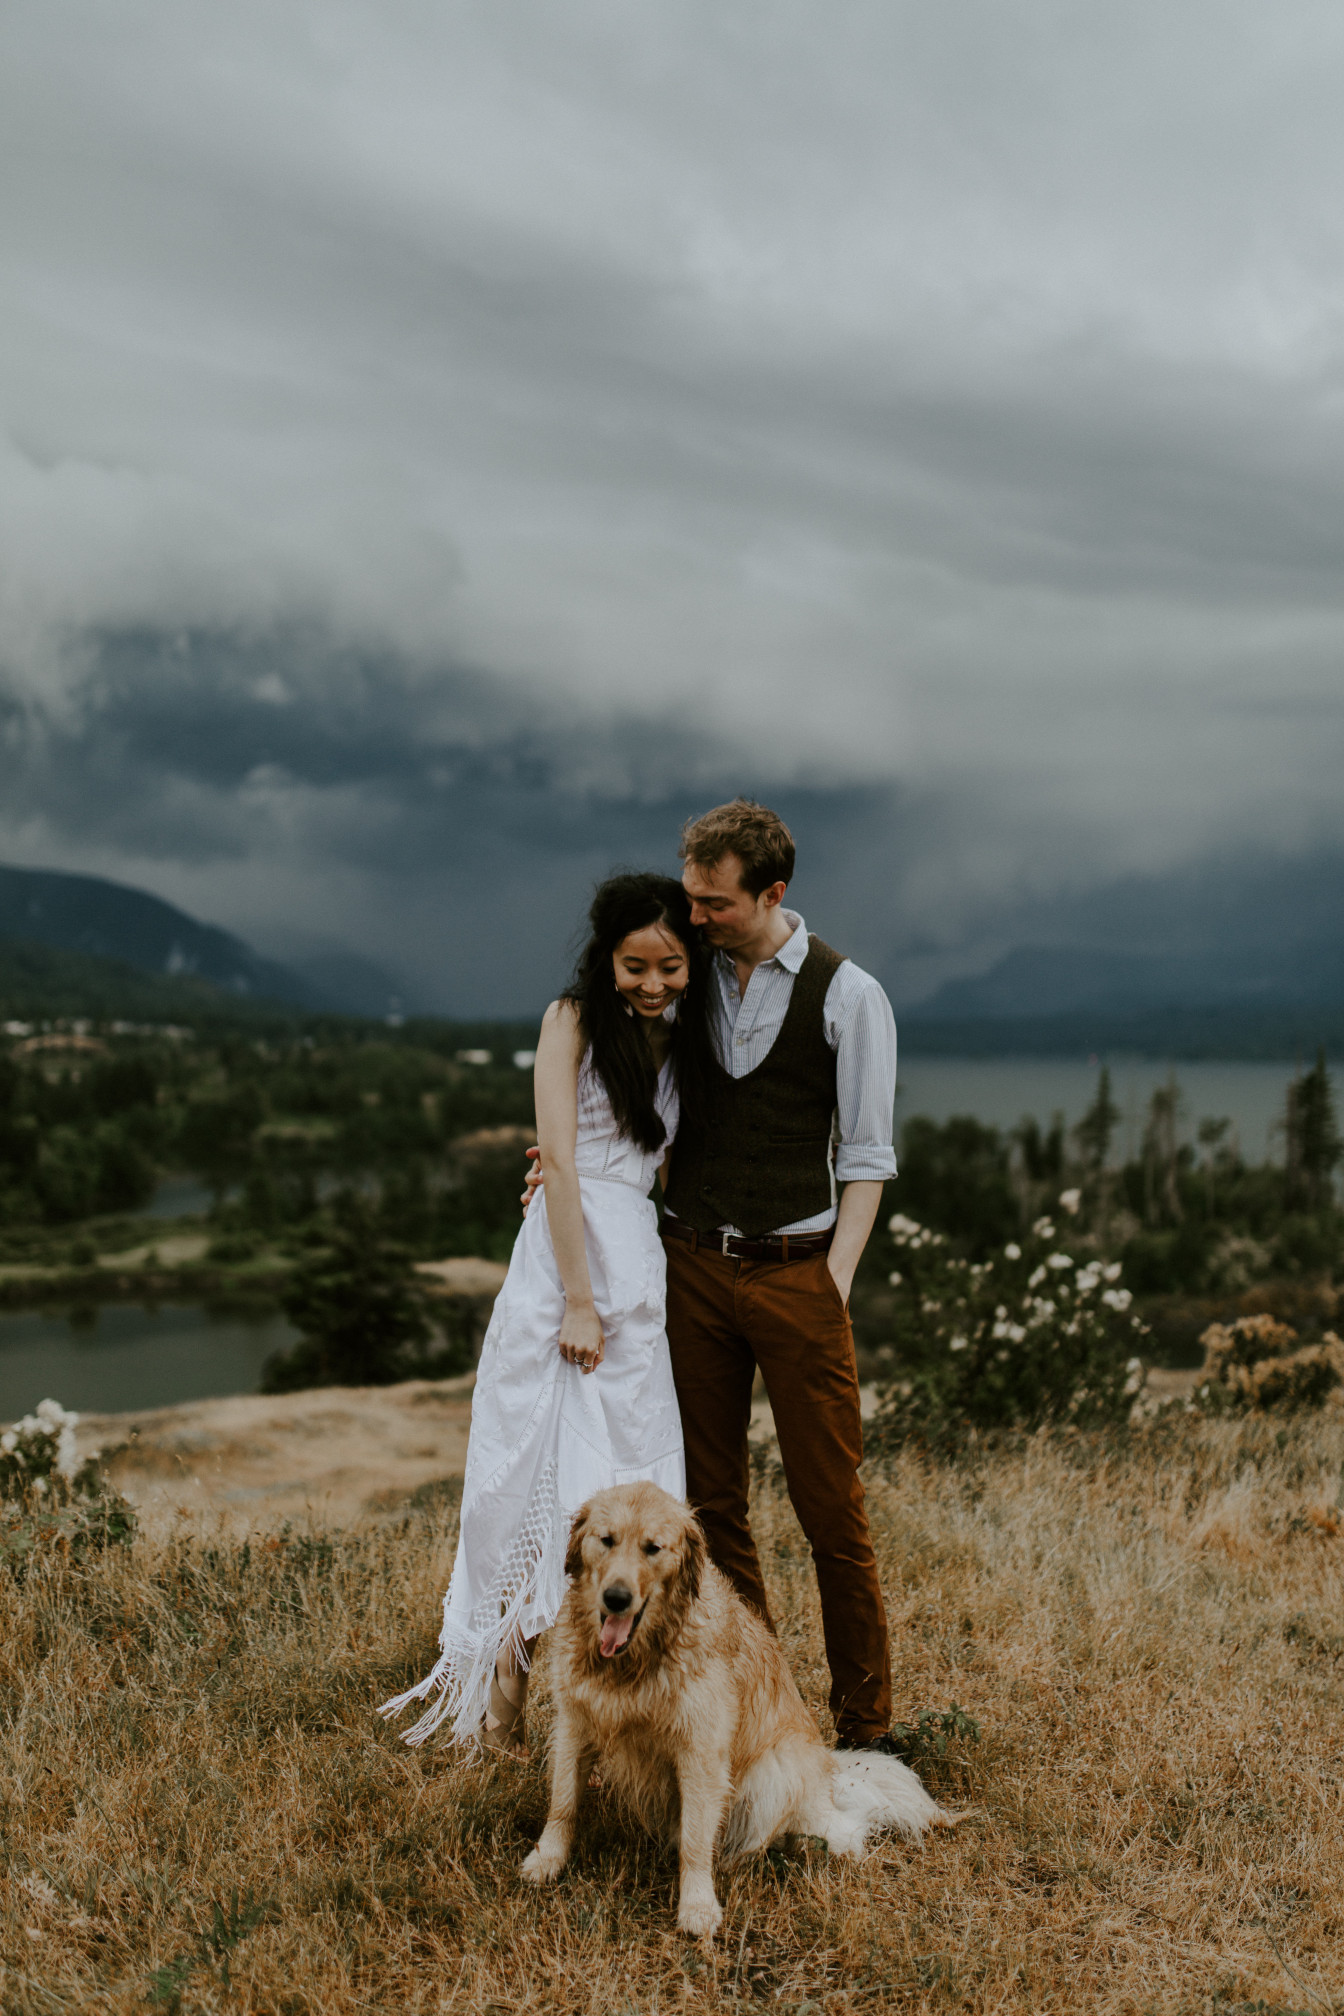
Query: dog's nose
[616, 1598]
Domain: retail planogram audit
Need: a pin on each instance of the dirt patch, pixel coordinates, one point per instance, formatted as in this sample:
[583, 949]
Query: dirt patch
[248, 1463]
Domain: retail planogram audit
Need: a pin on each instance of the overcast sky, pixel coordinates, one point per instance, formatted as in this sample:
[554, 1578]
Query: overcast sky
[444, 445]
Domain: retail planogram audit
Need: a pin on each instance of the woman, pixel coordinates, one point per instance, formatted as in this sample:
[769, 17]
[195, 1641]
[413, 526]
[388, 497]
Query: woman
[574, 1390]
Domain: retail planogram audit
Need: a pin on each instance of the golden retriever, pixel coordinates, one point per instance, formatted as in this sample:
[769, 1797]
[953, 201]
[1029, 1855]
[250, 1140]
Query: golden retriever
[658, 1666]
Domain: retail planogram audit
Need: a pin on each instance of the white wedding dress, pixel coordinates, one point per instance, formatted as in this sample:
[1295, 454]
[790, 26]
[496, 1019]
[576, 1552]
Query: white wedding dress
[545, 1436]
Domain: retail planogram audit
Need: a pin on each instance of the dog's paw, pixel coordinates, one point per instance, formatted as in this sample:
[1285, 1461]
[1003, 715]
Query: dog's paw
[540, 1868]
[700, 1915]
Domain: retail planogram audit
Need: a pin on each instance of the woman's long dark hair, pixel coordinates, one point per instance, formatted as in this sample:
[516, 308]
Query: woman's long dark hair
[621, 1057]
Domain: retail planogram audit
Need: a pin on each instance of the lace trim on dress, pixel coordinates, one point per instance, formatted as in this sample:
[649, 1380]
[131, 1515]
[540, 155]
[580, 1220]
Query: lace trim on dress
[523, 1598]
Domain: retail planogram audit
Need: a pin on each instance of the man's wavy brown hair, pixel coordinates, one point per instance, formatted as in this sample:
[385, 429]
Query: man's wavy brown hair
[755, 835]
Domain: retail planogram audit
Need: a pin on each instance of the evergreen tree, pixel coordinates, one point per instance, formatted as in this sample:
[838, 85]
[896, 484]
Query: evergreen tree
[360, 1312]
[1313, 1140]
[1094, 1131]
[1161, 1156]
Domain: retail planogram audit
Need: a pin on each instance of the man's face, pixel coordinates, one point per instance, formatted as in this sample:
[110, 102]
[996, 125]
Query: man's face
[729, 915]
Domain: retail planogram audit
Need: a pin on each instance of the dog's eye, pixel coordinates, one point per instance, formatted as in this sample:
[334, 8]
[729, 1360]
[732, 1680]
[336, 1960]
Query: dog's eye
[652, 1547]
[608, 1540]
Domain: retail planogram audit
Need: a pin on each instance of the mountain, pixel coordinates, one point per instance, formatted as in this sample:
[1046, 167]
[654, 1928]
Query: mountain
[39, 982]
[1069, 1000]
[107, 920]
[358, 986]
[1038, 980]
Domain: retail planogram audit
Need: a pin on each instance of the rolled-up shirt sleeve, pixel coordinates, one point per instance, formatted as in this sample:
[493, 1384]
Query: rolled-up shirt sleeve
[863, 1029]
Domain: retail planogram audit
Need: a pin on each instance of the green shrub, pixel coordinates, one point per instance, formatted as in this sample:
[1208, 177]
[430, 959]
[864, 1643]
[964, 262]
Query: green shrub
[955, 1176]
[49, 1499]
[1025, 1337]
[361, 1313]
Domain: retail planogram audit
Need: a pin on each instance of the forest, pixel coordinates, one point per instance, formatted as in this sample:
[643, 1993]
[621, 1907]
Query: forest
[274, 1128]
[337, 1150]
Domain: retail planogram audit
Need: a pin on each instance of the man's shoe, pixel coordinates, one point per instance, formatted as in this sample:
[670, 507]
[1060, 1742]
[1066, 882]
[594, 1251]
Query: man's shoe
[876, 1746]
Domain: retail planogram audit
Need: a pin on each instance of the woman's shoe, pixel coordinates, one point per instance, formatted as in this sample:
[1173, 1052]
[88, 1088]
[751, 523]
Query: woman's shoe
[503, 1725]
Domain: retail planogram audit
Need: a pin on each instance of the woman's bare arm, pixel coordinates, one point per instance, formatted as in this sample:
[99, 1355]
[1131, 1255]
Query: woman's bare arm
[556, 1087]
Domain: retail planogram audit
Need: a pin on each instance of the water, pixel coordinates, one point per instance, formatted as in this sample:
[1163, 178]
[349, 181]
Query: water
[179, 1197]
[1000, 1090]
[118, 1357]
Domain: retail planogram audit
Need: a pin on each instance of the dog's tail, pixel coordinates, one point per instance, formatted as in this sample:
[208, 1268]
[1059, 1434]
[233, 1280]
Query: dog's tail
[871, 1793]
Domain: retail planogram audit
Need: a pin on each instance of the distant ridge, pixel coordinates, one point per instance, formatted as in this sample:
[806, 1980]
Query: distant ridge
[40, 983]
[98, 919]
[1033, 981]
[1278, 1034]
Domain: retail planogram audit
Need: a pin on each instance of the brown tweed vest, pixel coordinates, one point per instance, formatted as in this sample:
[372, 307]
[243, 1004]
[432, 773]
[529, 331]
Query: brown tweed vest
[760, 1157]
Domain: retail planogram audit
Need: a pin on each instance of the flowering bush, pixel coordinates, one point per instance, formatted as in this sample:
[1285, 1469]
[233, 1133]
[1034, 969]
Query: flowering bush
[1027, 1336]
[1258, 1363]
[49, 1496]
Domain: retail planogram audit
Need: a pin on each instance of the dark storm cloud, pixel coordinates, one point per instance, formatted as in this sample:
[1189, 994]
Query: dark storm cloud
[320, 780]
[441, 446]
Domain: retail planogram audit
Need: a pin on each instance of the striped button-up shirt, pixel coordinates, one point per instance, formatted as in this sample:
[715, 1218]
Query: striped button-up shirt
[859, 1027]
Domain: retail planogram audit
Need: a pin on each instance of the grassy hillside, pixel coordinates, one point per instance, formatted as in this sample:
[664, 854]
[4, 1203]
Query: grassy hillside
[203, 1811]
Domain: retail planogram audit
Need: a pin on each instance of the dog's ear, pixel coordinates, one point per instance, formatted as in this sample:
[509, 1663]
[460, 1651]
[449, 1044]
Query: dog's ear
[574, 1551]
[693, 1555]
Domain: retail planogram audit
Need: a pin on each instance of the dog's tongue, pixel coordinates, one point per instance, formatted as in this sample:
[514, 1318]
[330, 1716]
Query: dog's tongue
[615, 1631]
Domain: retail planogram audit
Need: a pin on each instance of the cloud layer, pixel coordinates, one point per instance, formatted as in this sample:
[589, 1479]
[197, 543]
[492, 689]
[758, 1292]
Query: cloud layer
[443, 446]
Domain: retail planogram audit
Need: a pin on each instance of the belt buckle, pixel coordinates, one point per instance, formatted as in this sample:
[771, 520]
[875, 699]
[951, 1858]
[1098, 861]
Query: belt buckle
[726, 1237]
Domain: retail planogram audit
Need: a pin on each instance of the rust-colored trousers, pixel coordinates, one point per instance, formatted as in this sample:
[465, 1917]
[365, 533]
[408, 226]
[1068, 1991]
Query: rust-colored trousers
[724, 1318]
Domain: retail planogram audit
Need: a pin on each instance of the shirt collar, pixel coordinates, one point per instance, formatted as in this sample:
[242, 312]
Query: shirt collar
[791, 953]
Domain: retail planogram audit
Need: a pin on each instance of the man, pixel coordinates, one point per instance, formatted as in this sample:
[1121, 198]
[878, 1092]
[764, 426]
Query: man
[770, 1201]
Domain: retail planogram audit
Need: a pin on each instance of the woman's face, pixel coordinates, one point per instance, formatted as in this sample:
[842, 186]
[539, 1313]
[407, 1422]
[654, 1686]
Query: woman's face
[651, 969]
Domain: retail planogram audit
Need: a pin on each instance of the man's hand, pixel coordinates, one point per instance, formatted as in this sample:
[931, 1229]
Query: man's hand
[843, 1278]
[535, 1175]
[858, 1208]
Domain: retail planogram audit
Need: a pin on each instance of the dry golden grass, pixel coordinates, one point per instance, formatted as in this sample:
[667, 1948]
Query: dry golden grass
[202, 1811]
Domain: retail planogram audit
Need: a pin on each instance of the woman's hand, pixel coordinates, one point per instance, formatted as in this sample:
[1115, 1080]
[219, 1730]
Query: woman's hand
[581, 1339]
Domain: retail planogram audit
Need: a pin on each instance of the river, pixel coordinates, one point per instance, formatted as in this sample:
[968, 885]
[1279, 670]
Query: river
[119, 1357]
[1000, 1090]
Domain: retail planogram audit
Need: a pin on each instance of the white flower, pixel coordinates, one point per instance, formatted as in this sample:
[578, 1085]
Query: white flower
[8, 1440]
[1086, 1279]
[1041, 1311]
[929, 1306]
[1058, 1260]
[1002, 1357]
[1069, 1200]
[1035, 1280]
[958, 1343]
[1118, 1299]
[1113, 1272]
[1012, 1252]
[1043, 1229]
[1011, 1333]
[894, 1280]
[903, 1229]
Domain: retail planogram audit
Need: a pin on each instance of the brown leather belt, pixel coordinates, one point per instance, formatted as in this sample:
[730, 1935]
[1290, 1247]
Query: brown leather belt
[780, 1246]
